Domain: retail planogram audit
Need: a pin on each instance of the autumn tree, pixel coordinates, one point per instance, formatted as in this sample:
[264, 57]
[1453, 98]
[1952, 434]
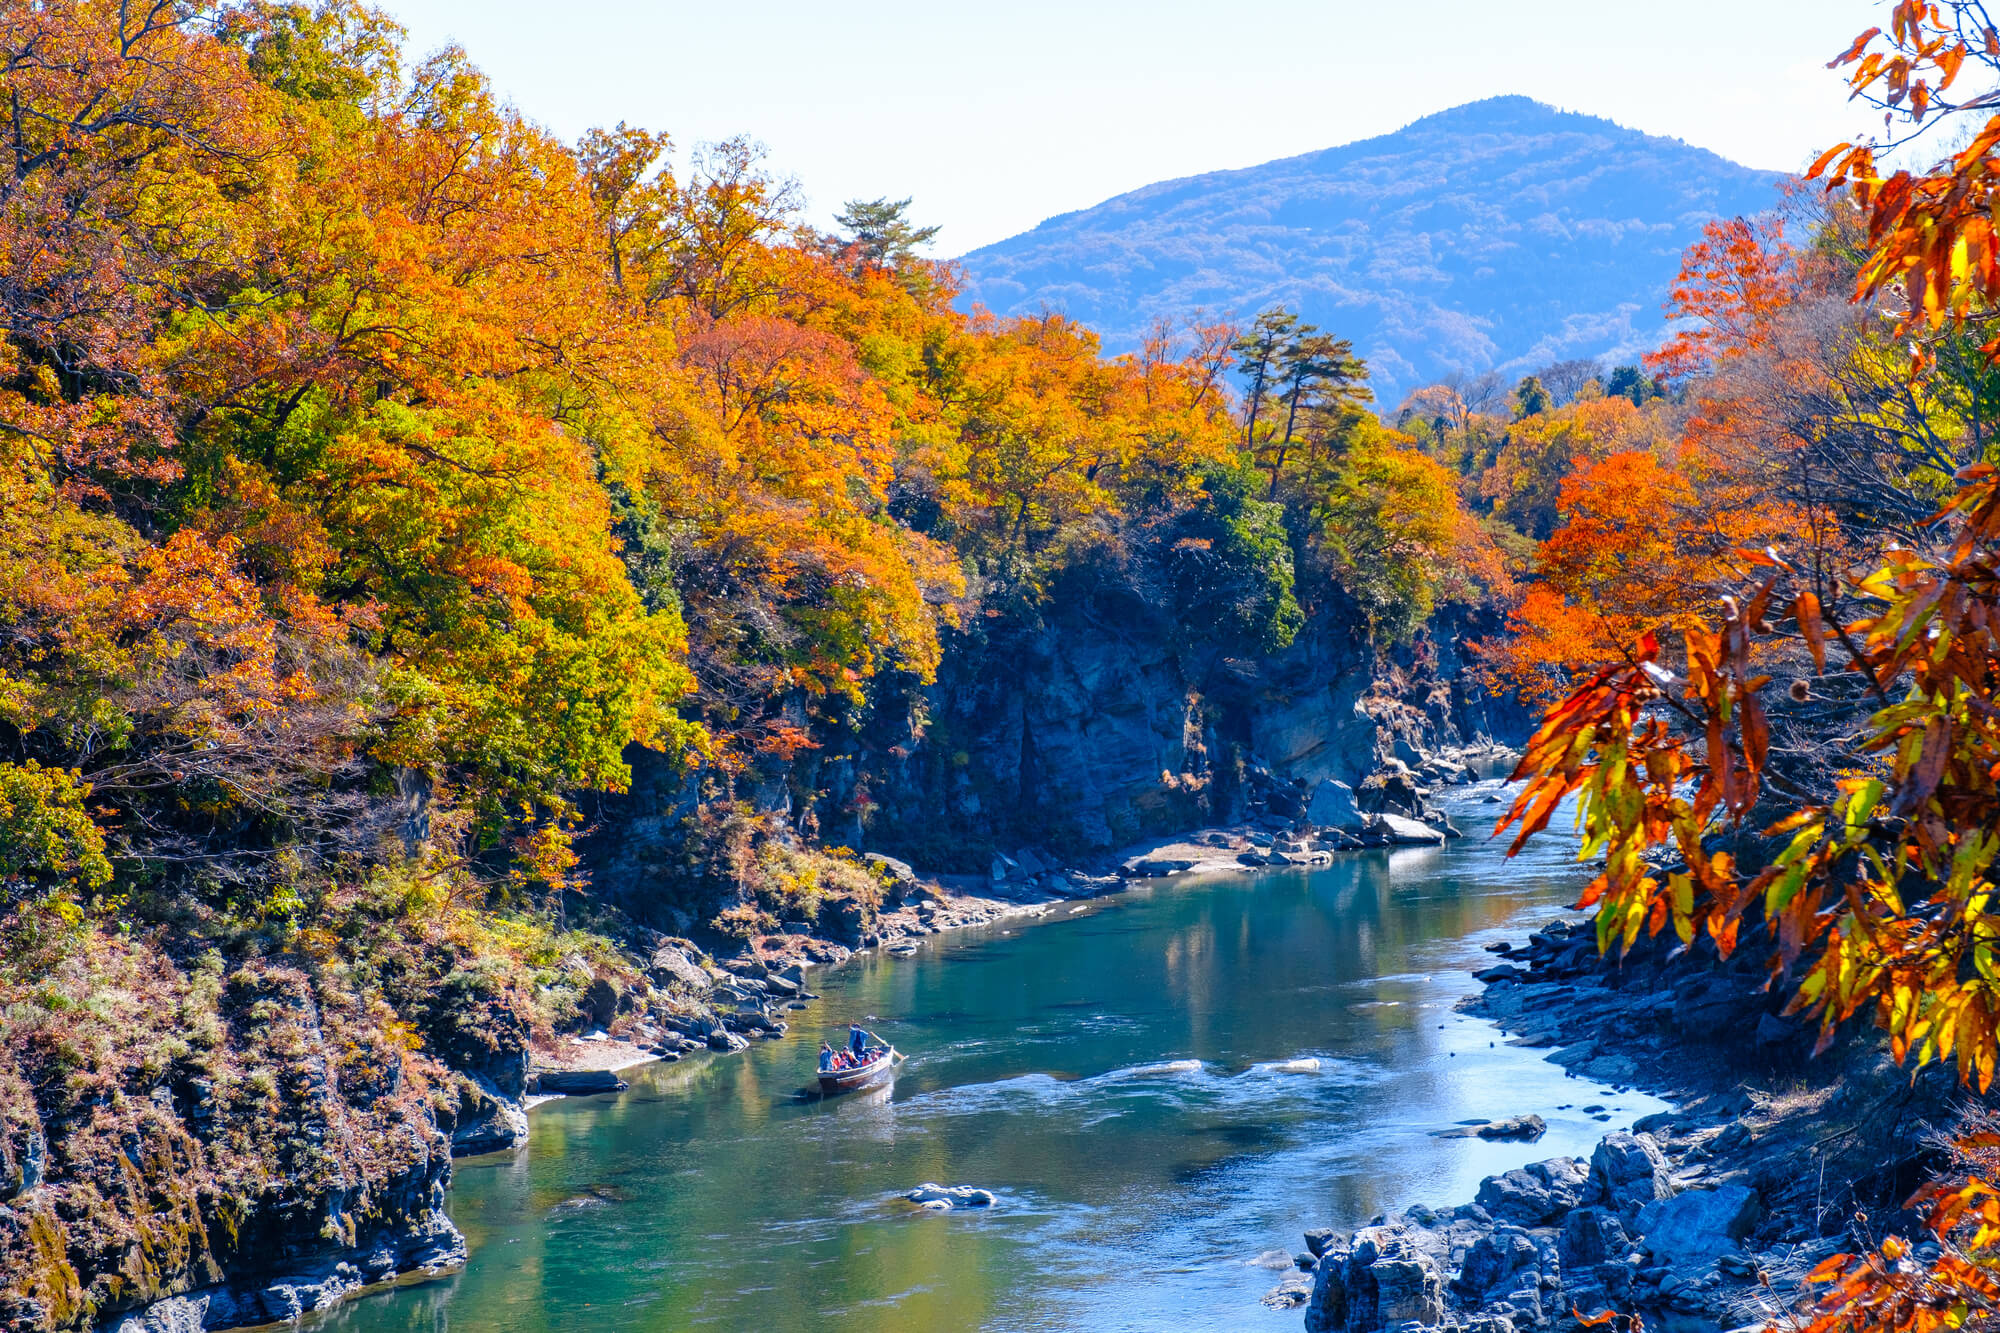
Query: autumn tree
[1539, 453]
[312, 501]
[1645, 545]
[1396, 535]
[1440, 408]
[1870, 868]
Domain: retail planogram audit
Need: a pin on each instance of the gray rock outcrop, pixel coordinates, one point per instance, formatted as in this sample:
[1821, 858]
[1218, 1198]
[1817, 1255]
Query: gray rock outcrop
[1543, 1240]
[1536, 1194]
[1332, 807]
[1381, 1280]
[1699, 1224]
[1628, 1171]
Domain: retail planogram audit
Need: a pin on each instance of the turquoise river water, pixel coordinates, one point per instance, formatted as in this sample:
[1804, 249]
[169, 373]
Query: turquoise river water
[1114, 1074]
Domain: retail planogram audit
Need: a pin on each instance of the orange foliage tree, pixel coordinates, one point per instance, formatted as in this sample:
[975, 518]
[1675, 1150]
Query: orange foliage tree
[1540, 452]
[1646, 545]
[1652, 505]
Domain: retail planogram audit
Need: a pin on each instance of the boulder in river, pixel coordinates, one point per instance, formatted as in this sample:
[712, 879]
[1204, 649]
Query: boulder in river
[1408, 832]
[1520, 1128]
[943, 1198]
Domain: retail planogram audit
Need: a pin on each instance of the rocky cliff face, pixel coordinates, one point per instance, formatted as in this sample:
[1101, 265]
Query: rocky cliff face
[209, 1146]
[1096, 728]
[1086, 734]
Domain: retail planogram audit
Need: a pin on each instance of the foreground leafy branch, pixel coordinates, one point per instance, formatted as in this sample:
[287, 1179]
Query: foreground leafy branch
[1879, 902]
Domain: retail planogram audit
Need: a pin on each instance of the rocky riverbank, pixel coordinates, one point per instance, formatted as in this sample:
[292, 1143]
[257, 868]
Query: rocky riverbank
[1707, 1216]
[246, 1146]
[1294, 824]
[305, 1157]
[694, 1001]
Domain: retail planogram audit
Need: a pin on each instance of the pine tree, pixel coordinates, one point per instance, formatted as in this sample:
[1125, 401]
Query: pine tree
[1263, 350]
[880, 229]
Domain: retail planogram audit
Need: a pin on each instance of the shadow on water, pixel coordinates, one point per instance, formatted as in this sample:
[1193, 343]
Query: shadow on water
[1160, 1092]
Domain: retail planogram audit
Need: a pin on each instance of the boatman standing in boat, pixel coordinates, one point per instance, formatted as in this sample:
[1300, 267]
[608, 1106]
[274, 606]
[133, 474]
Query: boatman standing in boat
[857, 1042]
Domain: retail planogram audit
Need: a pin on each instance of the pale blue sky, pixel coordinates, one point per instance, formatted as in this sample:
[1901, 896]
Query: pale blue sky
[996, 116]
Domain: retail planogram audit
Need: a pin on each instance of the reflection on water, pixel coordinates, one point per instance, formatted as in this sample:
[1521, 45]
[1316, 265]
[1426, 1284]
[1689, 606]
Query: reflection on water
[1159, 1092]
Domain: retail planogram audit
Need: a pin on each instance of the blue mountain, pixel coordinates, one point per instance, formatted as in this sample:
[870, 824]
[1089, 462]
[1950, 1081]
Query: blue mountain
[1500, 235]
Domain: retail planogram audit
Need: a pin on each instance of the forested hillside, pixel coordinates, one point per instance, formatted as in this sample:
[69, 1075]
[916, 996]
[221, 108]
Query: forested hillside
[1501, 235]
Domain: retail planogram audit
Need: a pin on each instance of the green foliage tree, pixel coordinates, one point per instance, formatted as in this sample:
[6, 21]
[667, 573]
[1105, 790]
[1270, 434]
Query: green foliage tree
[1320, 374]
[880, 230]
[46, 832]
[1531, 399]
[1632, 383]
[1261, 354]
[1228, 561]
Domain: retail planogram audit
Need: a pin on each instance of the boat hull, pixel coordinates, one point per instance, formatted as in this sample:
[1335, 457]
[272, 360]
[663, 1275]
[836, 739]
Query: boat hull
[845, 1080]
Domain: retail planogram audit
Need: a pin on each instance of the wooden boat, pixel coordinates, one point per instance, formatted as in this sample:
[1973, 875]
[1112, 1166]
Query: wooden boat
[883, 1059]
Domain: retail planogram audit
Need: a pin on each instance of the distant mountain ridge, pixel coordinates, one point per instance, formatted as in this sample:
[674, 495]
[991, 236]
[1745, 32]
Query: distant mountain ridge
[1502, 234]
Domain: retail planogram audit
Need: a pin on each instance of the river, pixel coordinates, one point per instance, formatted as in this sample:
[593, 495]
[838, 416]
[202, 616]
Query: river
[1117, 1079]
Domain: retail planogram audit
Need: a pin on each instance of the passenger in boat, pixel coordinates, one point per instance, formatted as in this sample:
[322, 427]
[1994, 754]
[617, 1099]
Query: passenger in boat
[825, 1058]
